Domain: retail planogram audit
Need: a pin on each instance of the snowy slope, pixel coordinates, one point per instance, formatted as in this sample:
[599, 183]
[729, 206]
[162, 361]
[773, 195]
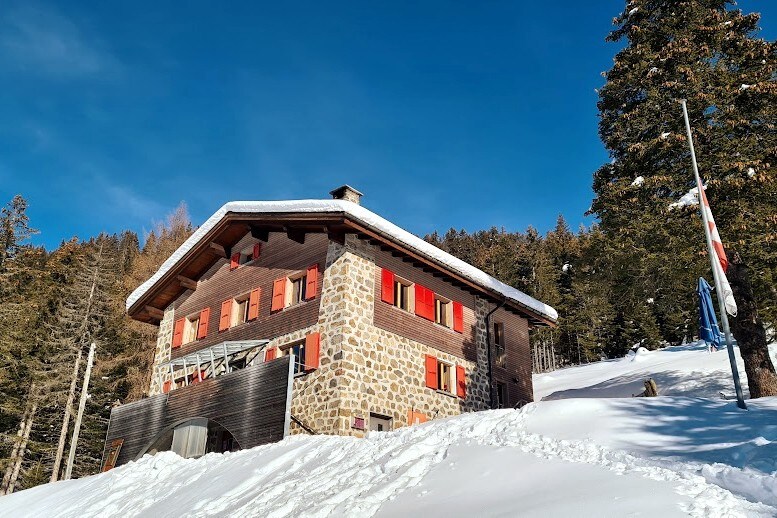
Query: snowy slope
[687, 370]
[667, 456]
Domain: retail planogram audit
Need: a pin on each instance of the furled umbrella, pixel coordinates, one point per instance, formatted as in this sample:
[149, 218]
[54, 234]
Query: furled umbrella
[708, 322]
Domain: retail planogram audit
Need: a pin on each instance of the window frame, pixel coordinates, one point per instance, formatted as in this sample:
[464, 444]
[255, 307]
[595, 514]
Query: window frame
[299, 356]
[302, 278]
[450, 368]
[404, 286]
[191, 326]
[498, 340]
[234, 317]
[447, 321]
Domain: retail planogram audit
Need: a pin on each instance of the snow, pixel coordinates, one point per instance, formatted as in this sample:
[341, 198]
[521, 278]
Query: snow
[586, 449]
[745, 87]
[633, 11]
[750, 172]
[566, 267]
[688, 199]
[638, 181]
[665, 134]
[360, 215]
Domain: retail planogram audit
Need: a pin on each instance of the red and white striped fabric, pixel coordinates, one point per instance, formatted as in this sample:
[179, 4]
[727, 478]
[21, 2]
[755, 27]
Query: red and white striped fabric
[721, 262]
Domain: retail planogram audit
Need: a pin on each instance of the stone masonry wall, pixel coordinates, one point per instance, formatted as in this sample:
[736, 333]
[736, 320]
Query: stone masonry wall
[365, 369]
[163, 348]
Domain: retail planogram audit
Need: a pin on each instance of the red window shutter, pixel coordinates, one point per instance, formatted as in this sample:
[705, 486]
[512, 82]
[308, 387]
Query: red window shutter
[424, 302]
[202, 331]
[461, 382]
[178, 332]
[420, 301]
[387, 286]
[253, 304]
[311, 282]
[257, 251]
[234, 262]
[269, 354]
[167, 386]
[226, 314]
[279, 294]
[431, 372]
[312, 351]
[458, 317]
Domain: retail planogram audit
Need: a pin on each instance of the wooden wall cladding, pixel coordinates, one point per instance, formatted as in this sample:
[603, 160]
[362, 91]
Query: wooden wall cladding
[250, 403]
[412, 326]
[279, 257]
[517, 359]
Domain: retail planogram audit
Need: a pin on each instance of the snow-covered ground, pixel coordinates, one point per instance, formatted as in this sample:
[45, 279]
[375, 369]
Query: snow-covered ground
[589, 449]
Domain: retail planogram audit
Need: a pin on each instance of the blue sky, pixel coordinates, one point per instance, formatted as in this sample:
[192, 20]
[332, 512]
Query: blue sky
[445, 114]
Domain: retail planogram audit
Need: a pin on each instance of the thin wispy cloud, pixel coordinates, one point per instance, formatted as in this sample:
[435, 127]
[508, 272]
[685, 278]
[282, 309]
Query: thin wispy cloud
[40, 40]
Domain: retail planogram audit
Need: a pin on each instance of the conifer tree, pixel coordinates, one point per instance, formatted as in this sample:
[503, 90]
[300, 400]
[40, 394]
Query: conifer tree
[709, 53]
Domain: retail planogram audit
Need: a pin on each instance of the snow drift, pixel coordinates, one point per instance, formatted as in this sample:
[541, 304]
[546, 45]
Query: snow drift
[667, 456]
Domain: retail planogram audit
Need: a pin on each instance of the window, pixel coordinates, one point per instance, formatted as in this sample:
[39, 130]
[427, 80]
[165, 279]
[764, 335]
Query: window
[501, 395]
[443, 313]
[500, 354]
[444, 376]
[245, 255]
[397, 291]
[250, 253]
[190, 328]
[402, 294]
[380, 423]
[296, 289]
[298, 350]
[240, 310]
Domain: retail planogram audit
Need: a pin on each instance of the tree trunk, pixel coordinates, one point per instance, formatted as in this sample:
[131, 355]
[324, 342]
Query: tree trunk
[20, 448]
[66, 420]
[750, 333]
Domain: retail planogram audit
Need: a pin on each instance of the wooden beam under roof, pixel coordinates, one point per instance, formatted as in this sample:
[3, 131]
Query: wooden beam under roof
[260, 233]
[297, 236]
[219, 250]
[155, 312]
[187, 283]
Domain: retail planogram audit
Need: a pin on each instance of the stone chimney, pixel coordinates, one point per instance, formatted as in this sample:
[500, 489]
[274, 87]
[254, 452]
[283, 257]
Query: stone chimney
[347, 193]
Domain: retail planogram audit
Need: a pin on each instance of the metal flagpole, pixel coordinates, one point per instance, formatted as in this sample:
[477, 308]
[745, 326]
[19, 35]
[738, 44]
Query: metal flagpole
[712, 255]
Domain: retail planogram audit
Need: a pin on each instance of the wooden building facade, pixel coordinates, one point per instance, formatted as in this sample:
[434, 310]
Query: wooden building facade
[373, 328]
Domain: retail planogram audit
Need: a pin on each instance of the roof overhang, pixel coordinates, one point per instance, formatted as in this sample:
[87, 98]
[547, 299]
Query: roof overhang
[336, 218]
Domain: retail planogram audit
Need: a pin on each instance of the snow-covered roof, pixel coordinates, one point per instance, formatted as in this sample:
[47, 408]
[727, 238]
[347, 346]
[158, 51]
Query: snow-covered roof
[358, 214]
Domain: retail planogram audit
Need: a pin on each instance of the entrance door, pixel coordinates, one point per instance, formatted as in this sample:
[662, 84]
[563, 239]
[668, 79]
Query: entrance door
[190, 437]
[379, 423]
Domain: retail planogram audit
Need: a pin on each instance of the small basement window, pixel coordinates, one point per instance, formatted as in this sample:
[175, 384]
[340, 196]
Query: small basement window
[190, 327]
[298, 350]
[443, 311]
[403, 294]
[239, 310]
[500, 353]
